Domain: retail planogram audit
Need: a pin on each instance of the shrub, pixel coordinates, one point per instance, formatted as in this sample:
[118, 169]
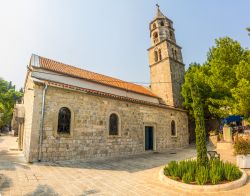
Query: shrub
[175, 169]
[242, 146]
[216, 172]
[187, 177]
[202, 175]
[191, 168]
[171, 169]
[189, 171]
[231, 172]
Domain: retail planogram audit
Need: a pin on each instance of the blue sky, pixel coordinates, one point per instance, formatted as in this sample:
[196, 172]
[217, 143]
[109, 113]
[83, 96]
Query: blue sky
[111, 36]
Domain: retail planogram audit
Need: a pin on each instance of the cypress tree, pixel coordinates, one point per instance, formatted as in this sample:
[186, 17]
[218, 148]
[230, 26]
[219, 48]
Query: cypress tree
[200, 132]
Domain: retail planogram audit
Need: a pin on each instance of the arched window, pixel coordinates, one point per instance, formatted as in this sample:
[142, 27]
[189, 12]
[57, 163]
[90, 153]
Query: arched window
[155, 37]
[154, 26]
[64, 118]
[113, 124]
[160, 57]
[156, 56]
[162, 23]
[173, 128]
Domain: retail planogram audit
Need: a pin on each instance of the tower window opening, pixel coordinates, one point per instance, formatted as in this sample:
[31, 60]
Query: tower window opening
[162, 23]
[156, 56]
[175, 52]
[160, 57]
[171, 34]
[155, 36]
[154, 26]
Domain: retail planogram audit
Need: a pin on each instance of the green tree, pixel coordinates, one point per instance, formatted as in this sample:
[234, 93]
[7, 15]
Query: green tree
[194, 90]
[218, 79]
[248, 29]
[8, 97]
[223, 60]
[241, 93]
[217, 88]
[199, 74]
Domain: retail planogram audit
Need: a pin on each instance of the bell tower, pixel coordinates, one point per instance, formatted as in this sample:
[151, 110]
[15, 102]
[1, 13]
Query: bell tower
[165, 61]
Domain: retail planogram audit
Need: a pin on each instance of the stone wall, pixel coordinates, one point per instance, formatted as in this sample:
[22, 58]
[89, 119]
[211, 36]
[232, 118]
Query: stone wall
[89, 136]
[28, 105]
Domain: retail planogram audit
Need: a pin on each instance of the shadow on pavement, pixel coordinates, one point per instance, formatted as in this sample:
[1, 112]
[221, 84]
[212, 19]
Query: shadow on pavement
[43, 190]
[130, 164]
[90, 192]
[5, 182]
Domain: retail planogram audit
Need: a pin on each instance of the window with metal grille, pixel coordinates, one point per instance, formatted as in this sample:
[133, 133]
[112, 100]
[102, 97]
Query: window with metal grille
[113, 124]
[64, 118]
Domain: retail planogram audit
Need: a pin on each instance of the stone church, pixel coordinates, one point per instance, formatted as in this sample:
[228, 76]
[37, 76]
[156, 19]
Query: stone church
[71, 113]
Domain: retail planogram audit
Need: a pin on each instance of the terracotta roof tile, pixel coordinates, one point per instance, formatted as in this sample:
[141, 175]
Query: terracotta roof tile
[65, 69]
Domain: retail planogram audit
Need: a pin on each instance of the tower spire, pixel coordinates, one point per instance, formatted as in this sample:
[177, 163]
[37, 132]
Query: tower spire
[159, 14]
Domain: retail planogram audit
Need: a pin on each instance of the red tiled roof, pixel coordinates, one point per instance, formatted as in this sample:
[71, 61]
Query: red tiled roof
[65, 69]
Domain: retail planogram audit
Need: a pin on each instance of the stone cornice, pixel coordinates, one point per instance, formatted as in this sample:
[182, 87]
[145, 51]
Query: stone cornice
[107, 95]
[165, 40]
[167, 59]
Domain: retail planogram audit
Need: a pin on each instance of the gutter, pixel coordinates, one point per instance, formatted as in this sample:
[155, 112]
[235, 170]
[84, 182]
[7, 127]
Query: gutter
[42, 122]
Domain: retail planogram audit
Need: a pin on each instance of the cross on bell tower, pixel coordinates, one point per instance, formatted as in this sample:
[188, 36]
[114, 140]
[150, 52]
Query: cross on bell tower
[165, 60]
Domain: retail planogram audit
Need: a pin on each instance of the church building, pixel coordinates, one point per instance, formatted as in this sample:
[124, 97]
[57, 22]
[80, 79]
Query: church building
[71, 113]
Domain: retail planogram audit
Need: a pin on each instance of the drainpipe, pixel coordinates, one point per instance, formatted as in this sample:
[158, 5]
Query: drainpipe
[42, 121]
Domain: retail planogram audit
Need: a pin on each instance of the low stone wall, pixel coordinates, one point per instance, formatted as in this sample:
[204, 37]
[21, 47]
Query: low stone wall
[203, 188]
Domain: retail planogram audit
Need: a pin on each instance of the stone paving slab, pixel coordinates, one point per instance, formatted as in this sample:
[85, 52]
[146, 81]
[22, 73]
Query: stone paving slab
[134, 175]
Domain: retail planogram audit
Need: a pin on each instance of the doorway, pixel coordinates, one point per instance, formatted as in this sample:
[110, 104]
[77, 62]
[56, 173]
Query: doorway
[149, 138]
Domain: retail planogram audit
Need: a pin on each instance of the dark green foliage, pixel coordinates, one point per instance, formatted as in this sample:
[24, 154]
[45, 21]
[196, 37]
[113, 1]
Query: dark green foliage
[200, 131]
[171, 169]
[187, 177]
[202, 175]
[216, 171]
[190, 172]
[231, 172]
[8, 97]
[176, 169]
[248, 29]
[218, 88]
[223, 81]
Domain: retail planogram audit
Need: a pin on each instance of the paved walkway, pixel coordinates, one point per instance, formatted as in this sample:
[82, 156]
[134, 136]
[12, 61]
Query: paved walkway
[136, 175]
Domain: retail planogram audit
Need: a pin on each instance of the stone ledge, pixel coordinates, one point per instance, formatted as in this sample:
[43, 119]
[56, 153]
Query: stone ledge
[204, 188]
